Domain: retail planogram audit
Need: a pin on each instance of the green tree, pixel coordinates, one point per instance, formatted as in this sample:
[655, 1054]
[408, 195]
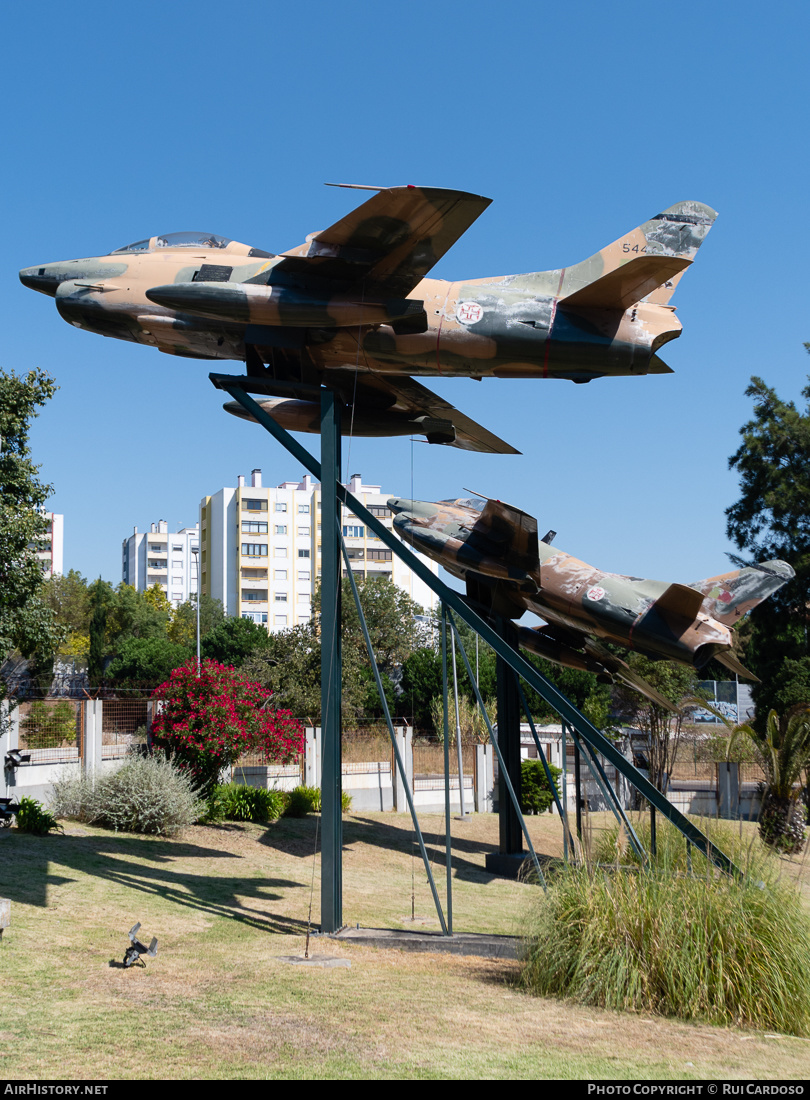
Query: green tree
[771, 520]
[68, 596]
[390, 616]
[146, 662]
[233, 640]
[183, 624]
[101, 598]
[26, 621]
[290, 666]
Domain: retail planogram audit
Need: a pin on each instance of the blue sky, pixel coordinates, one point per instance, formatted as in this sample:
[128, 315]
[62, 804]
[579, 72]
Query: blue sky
[580, 121]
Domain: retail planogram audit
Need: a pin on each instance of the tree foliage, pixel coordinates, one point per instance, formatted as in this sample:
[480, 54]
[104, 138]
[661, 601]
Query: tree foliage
[26, 621]
[771, 520]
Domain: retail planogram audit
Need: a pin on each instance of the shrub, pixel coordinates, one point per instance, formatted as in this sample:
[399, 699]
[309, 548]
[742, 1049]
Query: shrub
[237, 802]
[535, 793]
[707, 946]
[146, 795]
[207, 721]
[32, 817]
[307, 800]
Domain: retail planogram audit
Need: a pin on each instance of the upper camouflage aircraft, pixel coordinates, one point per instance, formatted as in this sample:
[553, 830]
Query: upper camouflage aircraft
[494, 548]
[351, 308]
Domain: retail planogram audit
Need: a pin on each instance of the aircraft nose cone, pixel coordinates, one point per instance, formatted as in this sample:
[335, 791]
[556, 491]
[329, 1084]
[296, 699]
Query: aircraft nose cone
[39, 278]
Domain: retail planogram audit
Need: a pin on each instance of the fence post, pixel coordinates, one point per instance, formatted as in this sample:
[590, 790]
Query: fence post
[311, 753]
[728, 789]
[404, 736]
[91, 742]
[9, 738]
[484, 778]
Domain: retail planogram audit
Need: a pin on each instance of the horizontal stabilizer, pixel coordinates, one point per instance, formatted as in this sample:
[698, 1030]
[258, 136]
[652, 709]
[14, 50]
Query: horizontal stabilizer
[731, 595]
[628, 284]
[679, 601]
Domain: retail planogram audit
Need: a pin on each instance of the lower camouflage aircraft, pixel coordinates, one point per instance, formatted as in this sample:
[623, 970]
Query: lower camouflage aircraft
[494, 548]
[351, 309]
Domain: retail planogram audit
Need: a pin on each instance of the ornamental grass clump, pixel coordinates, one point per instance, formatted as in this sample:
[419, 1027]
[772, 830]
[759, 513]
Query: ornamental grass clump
[695, 946]
[238, 802]
[210, 717]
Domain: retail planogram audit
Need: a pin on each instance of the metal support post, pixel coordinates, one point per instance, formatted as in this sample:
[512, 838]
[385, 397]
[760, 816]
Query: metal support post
[399, 761]
[578, 786]
[331, 671]
[448, 839]
[459, 754]
[501, 762]
[510, 836]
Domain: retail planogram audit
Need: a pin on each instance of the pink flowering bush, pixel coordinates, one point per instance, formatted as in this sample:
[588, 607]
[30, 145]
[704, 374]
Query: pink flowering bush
[207, 722]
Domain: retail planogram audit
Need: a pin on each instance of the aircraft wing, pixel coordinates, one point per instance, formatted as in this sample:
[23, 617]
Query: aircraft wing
[440, 421]
[620, 670]
[379, 404]
[389, 243]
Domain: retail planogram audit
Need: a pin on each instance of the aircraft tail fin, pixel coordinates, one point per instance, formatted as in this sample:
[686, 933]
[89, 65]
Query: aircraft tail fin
[645, 263]
[731, 595]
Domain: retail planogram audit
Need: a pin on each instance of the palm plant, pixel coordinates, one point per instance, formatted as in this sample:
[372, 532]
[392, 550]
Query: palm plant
[783, 753]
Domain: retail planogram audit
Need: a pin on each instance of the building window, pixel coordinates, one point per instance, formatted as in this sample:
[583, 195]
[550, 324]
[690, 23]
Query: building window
[280, 530]
[254, 549]
[254, 505]
[353, 531]
[281, 597]
[253, 527]
[303, 619]
[303, 509]
[378, 510]
[303, 575]
[255, 616]
[280, 620]
[281, 575]
[303, 597]
[356, 552]
[254, 574]
[379, 555]
[281, 506]
[303, 553]
[281, 551]
[255, 595]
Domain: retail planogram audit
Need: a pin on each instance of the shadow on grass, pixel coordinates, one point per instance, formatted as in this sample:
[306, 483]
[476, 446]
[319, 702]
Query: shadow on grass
[30, 865]
[297, 837]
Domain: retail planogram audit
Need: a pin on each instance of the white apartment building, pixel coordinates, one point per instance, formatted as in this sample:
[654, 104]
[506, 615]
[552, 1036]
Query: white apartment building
[50, 547]
[159, 557]
[261, 549]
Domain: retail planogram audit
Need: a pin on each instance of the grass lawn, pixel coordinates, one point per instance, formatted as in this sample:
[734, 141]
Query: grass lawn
[217, 1002]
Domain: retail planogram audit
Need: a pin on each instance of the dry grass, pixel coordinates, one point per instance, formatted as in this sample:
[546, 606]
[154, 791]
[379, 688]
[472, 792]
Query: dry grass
[217, 1002]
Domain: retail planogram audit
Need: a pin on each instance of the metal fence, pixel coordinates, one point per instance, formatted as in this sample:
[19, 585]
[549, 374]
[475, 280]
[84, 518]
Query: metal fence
[51, 730]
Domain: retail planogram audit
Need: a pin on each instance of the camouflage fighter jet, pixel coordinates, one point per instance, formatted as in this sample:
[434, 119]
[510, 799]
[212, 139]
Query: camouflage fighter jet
[351, 308]
[494, 548]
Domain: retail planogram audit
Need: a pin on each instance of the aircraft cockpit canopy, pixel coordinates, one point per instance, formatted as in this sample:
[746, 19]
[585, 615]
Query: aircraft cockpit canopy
[188, 239]
[475, 504]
